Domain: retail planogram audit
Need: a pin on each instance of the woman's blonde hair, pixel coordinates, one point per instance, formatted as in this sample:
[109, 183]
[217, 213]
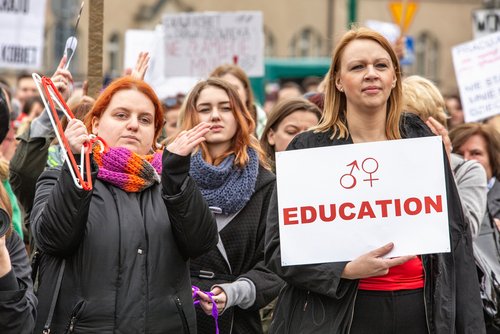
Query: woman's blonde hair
[423, 98]
[334, 115]
[243, 138]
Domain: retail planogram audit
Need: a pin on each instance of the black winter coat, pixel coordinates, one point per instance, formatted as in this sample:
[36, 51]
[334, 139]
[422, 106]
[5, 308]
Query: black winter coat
[243, 240]
[317, 300]
[17, 300]
[127, 268]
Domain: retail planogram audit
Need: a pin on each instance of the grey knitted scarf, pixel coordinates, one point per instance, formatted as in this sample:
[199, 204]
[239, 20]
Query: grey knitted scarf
[225, 186]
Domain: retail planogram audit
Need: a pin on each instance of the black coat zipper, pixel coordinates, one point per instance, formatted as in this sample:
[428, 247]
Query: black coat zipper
[185, 326]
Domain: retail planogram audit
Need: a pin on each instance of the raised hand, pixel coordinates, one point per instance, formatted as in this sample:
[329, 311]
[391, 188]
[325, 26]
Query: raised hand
[141, 66]
[77, 135]
[62, 79]
[85, 98]
[186, 141]
[439, 130]
[372, 264]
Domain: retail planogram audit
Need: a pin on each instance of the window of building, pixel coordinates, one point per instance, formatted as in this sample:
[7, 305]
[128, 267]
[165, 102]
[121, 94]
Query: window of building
[427, 55]
[308, 42]
[113, 47]
[269, 43]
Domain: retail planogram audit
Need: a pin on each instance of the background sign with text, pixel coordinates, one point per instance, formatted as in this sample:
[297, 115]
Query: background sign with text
[477, 65]
[336, 203]
[196, 43]
[485, 22]
[22, 26]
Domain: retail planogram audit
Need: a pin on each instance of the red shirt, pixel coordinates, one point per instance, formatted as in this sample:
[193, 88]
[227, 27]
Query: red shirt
[407, 276]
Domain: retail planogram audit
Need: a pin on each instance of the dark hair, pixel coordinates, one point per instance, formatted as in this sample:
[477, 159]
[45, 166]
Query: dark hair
[316, 98]
[23, 75]
[30, 102]
[4, 115]
[5, 85]
[278, 113]
[292, 84]
[311, 81]
[460, 134]
[454, 97]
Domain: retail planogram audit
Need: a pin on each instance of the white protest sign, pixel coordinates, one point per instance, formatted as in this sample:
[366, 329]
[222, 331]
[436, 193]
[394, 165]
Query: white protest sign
[485, 22]
[196, 43]
[150, 41]
[137, 41]
[477, 68]
[337, 203]
[21, 41]
[389, 30]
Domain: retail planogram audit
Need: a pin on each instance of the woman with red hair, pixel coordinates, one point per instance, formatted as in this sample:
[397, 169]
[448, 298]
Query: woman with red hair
[115, 258]
[232, 173]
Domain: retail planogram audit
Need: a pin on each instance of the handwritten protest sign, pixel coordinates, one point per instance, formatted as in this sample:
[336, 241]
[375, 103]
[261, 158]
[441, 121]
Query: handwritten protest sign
[196, 43]
[336, 203]
[477, 65]
[21, 41]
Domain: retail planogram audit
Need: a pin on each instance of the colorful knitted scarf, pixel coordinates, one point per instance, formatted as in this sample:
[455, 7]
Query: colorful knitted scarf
[225, 186]
[126, 169]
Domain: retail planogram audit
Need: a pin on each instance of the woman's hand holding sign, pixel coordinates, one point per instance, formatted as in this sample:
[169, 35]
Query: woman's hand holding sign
[372, 264]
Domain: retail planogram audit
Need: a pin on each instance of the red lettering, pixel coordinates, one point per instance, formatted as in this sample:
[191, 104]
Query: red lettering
[322, 213]
[397, 207]
[418, 206]
[342, 213]
[303, 214]
[288, 214]
[437, 205]
[172, 48]
[384, 203]
[366, 210]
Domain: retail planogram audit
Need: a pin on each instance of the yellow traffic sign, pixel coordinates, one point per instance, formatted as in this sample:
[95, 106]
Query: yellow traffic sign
[403, 13]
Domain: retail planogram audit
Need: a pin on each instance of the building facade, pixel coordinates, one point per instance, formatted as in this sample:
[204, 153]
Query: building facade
[292, 28]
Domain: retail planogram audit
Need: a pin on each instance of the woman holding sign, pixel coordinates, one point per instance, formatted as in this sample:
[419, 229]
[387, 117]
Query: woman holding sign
[435, 293]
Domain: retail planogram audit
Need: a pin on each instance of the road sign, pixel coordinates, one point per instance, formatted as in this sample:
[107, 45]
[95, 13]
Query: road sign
[402, 13]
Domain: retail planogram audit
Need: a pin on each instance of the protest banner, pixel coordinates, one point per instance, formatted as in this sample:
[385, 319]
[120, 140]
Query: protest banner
[476, 66]
[196, 43]
[21, 41]
[337, 203]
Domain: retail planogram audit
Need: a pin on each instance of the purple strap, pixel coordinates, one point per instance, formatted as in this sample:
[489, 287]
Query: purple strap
[215, 311]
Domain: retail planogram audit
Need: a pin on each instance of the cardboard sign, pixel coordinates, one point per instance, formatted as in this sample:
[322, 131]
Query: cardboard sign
[337, 203]
[21, 41]
[196, 43]
[477, 65]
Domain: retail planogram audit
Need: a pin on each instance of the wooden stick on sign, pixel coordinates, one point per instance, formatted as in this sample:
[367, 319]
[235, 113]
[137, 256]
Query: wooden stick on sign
[96, 22]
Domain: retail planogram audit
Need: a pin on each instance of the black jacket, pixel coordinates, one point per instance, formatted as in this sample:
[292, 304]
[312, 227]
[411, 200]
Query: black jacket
[317, 300]
[126, 254]
[243, 240]
[17, 300]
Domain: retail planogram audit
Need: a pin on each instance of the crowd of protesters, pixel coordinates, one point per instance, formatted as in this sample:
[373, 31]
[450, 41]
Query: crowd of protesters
[176, 227]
